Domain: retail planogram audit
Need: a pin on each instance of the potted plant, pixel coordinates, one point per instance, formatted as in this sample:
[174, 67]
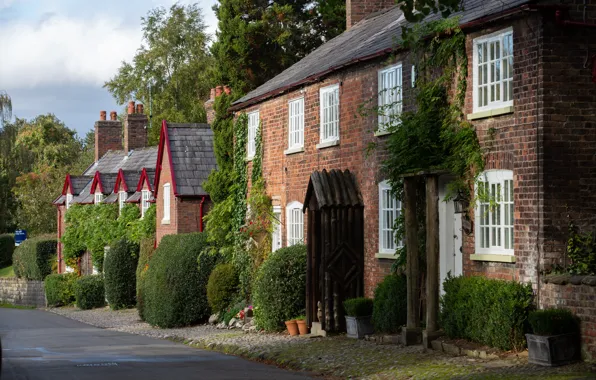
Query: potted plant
[555, 340]
[301, 322]
[292, 327]
[358, 317]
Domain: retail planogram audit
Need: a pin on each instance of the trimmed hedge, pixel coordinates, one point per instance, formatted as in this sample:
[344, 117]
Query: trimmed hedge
[390, 311]
[358, 307]
[279, 289]
[492, 312]
[146, 252]
[222, 287]
[33, 259]
[60, 289]
[6, 250]
[119, 268]
[553, 322]
[90, 292]
[175, 287]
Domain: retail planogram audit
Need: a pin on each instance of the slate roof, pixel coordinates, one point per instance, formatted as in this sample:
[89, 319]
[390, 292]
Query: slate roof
[112, 198]
[108, 180]
[78, 183]
[135, 198]
[115, 160]
[193, 159]
[372, 37]
[85, 195]
[60, 200]
[132, 179]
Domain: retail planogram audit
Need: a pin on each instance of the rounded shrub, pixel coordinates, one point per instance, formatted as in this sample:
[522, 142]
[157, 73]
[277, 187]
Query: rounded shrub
[222, 287]
[175, 287]
[120, 265]
[147, 248]
[390, 307]
[279, 289]
[6, 250]
[33, 259]
[60, 289]
[90, 292]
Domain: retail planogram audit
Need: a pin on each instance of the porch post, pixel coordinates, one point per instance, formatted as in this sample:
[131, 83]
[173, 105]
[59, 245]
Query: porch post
[412, 333]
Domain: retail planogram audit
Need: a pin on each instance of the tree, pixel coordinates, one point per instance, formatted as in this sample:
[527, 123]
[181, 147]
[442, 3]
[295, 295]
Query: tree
[258, 40]
[170, 70]
[417, 10]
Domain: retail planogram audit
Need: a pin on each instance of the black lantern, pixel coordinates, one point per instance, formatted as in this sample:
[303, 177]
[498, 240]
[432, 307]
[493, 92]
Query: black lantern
[460, 203]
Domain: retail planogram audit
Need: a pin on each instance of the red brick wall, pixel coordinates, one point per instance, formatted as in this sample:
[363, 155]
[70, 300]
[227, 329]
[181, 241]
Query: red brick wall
[135, 131]
[356, 10]
[189, 214]
[61, 210]
[108, 136]
[165, 177]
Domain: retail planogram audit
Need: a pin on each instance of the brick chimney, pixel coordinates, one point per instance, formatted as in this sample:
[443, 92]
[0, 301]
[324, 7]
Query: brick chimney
[108, 135]
[215, 92]
[135, 127]
[356, 10]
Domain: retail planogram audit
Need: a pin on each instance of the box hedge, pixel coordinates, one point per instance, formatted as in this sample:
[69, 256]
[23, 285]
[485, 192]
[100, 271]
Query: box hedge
[90, 292]
[279, 289]
[175, 287]
[6, 250]
[33, 259]
[553, 322]
[491, 312]
[60, 289]
[147, 248]
[390, 310]
[358, 307]
[222, 287]
[120, 265]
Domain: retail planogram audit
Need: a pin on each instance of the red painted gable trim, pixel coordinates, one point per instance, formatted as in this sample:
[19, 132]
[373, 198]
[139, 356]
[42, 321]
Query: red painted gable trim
[96, 181]
[120, 180]
[144, 178]
[164, 142]
[67, 184]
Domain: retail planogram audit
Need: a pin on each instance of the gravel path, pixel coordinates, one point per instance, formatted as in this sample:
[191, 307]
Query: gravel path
[337, 357]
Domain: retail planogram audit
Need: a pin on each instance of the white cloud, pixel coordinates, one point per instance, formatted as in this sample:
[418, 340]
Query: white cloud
[6, 3]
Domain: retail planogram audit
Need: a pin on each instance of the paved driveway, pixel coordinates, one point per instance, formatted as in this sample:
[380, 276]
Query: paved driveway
[42, 345]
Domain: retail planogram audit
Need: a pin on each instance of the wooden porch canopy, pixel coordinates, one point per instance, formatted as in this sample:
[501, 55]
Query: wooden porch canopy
[335, 241]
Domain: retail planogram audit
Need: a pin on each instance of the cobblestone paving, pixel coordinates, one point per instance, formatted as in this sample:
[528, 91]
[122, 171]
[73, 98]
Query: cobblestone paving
[336, 357]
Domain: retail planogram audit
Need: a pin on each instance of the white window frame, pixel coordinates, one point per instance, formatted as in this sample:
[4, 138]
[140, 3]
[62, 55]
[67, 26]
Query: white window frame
[494, 227]
[329, 114]
[390, 95]
[276, 232]
[253, 125]
[98, 198]
[166, 204]
[295, 223]
[296, 123]
[145, 195]
[69, 199]
[121, 199]
[386, 226]
[503, 37]
[413, 76]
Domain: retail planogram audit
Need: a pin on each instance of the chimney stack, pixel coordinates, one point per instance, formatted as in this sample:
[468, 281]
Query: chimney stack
[215, 92]
[135, 128]
[356, 10]
[108, 134]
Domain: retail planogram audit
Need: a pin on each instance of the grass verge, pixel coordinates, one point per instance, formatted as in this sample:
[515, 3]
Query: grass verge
[7, 272]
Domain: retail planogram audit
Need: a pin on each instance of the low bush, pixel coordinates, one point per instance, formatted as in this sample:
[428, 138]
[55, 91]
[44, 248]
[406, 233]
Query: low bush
[90, 292]
[6, 250]
[279, 289]
[233, 310]
[390, 311]
[120, 265]
[553, 322]
[175, 287]
[491, 312]
[33, 259]
[222, 287]
[358, 307]
[147, 249]
[60, 289]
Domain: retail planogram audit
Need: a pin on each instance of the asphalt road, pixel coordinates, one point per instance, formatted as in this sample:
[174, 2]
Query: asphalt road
[42, 345]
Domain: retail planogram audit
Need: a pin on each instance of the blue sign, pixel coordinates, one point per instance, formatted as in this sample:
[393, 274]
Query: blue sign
[19, 237]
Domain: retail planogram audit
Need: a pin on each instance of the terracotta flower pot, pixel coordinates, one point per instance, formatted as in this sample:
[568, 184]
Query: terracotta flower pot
[292, 327]
[302, 327]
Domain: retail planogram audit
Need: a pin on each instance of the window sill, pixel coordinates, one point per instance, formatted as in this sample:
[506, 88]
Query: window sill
[390, 256]
[381, 133]
[163, 221]
[248, 159]
[294, 150]
[490, 113]
[328, 144]
[499, 258]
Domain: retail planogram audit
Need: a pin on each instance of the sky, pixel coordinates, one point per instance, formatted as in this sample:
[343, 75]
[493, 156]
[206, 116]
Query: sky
[55, 55]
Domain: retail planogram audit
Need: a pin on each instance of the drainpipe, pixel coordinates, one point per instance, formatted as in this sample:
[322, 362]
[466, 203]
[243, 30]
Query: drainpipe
[201, 214]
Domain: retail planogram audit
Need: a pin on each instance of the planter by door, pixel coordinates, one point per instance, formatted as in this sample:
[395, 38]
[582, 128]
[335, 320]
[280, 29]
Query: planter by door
[554, 350]
[358, 327]
[292, 327]
[302, 326]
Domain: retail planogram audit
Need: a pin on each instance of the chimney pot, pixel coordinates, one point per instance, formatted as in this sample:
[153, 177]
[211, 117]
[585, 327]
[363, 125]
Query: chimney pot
[139, 108]
[218, 91]
[212, 95]
[131, 107]
[227, 90]
[113, 115]
[102, 115]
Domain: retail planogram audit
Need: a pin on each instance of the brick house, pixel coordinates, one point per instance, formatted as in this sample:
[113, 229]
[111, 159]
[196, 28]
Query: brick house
[537, 130]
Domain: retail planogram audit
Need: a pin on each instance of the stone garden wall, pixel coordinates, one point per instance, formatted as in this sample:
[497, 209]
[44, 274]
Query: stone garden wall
[22, 292]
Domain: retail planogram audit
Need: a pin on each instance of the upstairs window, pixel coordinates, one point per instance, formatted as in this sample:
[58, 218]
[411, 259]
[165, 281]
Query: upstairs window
[329, 104]
[121, 199]
[493, 71]
[166, 203]
[253, 125]
[295, 222]
[296, 123]
[389, 211]
[390, 95]
[98, 198]
[68, 200]
[146, 194]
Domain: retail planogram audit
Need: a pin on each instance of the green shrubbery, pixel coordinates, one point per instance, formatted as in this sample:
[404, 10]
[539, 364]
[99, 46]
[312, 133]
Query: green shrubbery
[358, 307]
[60, 289]
[222, 286]
[120, 266]
[390, 311]
[553, 322]
[33, 259]
[492, 312]
[279, 289]
[175, 287]
[146, 251]
[90, 292]
[6, 250]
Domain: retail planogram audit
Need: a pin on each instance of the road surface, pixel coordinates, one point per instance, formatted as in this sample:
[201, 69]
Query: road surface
[41, 345]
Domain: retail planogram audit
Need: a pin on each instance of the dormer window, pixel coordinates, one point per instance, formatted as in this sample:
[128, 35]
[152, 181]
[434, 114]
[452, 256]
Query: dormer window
[68, 200]
[145, 202]
[98, 198]
[121, 199]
